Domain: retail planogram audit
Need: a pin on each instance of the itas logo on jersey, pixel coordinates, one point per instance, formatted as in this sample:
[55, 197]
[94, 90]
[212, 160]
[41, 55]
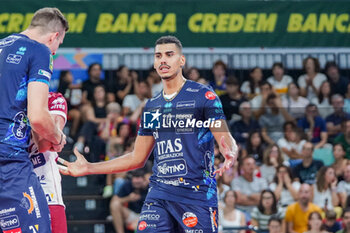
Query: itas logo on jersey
[9, 222]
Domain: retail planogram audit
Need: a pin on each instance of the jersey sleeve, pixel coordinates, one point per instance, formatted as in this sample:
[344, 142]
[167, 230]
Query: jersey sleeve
[57, 105]
[40, 65]
[212, 106]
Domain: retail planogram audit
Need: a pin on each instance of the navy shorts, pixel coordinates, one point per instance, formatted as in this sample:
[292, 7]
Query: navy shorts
[172, 217]
[23, 205]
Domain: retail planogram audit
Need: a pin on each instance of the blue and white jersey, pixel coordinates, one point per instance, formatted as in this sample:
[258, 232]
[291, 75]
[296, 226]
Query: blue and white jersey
[22, 60]
[184, 145]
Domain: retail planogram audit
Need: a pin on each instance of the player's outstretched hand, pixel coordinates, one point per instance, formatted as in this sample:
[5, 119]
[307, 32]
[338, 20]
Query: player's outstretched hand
[77, 168]
[230, 155]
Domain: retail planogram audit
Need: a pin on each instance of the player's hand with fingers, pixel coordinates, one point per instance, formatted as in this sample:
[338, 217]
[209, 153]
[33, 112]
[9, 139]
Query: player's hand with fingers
[230, 155]
[77, 168]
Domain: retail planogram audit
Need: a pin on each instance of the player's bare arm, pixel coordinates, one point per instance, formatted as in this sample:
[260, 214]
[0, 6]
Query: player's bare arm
[227, 146]
[40, 118]
[130, 161]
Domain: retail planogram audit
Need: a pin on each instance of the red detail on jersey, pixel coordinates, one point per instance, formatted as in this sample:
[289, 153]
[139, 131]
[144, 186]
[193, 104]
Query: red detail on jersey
[142, 225]
[17, 230]
[57, 103]
[189, 219]
[210, 95]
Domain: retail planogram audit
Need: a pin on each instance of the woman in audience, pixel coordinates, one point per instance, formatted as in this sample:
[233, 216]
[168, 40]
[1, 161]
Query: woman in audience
[229, 216]
[293, 102]
[265, 210]
[255, 147]
[251, 87]
[311, 81]
[325, 189]
[283, 186]
[323, 100]
[339, 161]
[194, 75]
[315, 223]
[271, 160]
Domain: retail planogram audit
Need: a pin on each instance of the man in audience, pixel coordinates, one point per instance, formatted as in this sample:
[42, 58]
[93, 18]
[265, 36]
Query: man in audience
[338, 83]
[314, 126]
[248, 186]
[127, 204]
[275, 225]
[297, 213]
[344, 138]
[259, 101]
[219, 82]
[346, 221]
[334, 120]
[94, 80]
[131, 102]
[240, 129]
[306, 171]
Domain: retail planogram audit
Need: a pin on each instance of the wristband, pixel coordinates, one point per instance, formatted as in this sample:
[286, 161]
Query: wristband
[60, 141]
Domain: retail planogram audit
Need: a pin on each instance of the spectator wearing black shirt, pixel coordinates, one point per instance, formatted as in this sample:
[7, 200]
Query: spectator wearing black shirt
[94, 72]
[338, 83]
[306, 171]
[232, 99]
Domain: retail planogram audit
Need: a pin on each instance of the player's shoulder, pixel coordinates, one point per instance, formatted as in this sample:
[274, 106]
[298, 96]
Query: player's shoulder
[154, 100]
[200, 90]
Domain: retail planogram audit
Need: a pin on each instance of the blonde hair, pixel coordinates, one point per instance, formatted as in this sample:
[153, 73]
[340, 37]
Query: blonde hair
[49, 20]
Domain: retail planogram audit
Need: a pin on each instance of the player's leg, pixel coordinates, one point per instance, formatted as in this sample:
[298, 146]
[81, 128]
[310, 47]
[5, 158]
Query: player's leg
[154, 218]
[23, 205]
[194, 218]
[58, 219]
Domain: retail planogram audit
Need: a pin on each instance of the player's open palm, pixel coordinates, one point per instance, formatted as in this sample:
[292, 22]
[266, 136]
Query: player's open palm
[230, 156]
[77, 168]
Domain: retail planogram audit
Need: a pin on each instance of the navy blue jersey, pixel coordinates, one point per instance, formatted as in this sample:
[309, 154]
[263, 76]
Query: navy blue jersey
[22, 60]
[184, 145]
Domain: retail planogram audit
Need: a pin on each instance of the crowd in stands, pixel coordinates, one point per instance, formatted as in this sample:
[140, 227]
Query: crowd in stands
[293, 169]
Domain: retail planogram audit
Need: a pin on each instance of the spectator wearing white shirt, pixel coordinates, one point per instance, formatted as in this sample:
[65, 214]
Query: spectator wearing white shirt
[272, 159]
[343, 188]
[259, 102]
[311, 81]
[279, 80]
[323, 100]
[251, 88]
[131, 102]
[293, 102]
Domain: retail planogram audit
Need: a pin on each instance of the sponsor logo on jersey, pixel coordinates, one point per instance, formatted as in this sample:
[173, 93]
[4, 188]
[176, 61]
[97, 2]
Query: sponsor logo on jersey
[35, 228]
[38, 160]
[20, 127]
[8, 41]
[44, 73]
[17, 230]
[192, 90]
[142, 226]
[153, 217]
[7, 211]
[210, 95]
[51, 63]
[14, 59]
[9, 222]
[194, 231]
[189, 219]
[30, 203]
[21, 51]
[213, 217]
[170, 168]
[186, 104]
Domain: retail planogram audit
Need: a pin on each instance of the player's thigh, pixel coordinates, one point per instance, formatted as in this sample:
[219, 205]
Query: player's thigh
[194, 218]
[23, 205]
[58, 219]
[154, 218]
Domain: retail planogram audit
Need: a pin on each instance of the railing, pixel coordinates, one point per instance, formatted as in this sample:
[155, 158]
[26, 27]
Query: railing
[247, 228]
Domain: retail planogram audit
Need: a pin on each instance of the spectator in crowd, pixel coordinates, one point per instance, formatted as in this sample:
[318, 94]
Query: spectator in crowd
[194, 75]
[271, 160]
[334, 120]
[293, 102]
[126, 205]
[306, 171]
[251, 88]
[297, 213]
[347, 99]
[265, 210]
[338, 83]
[154, 81]
[339, 161]
[259, 101]
[315, 223]
[314, 126]
[331, 224]
[248, 186]
[323, 100]
[232, 99]
[108, 129]
[122, 84]
[221, 187]
[73, 94]
[290, 144]
[275, 225]
[219, 82]
[283, 186]
[132, 101]
[344, 138]
[272, 120]
[343, 188]
[240, 129]
[255, 147]
[229, 216]
[346, 221]
[311, 81]
[279, 80]
[325, 189]
[94, 80]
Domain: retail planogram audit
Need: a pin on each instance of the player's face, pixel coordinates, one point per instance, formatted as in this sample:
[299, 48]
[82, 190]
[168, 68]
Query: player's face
[55, 40]
[168, 60]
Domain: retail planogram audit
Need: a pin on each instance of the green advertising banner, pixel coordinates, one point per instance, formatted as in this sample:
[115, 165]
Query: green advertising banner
[129, 23]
